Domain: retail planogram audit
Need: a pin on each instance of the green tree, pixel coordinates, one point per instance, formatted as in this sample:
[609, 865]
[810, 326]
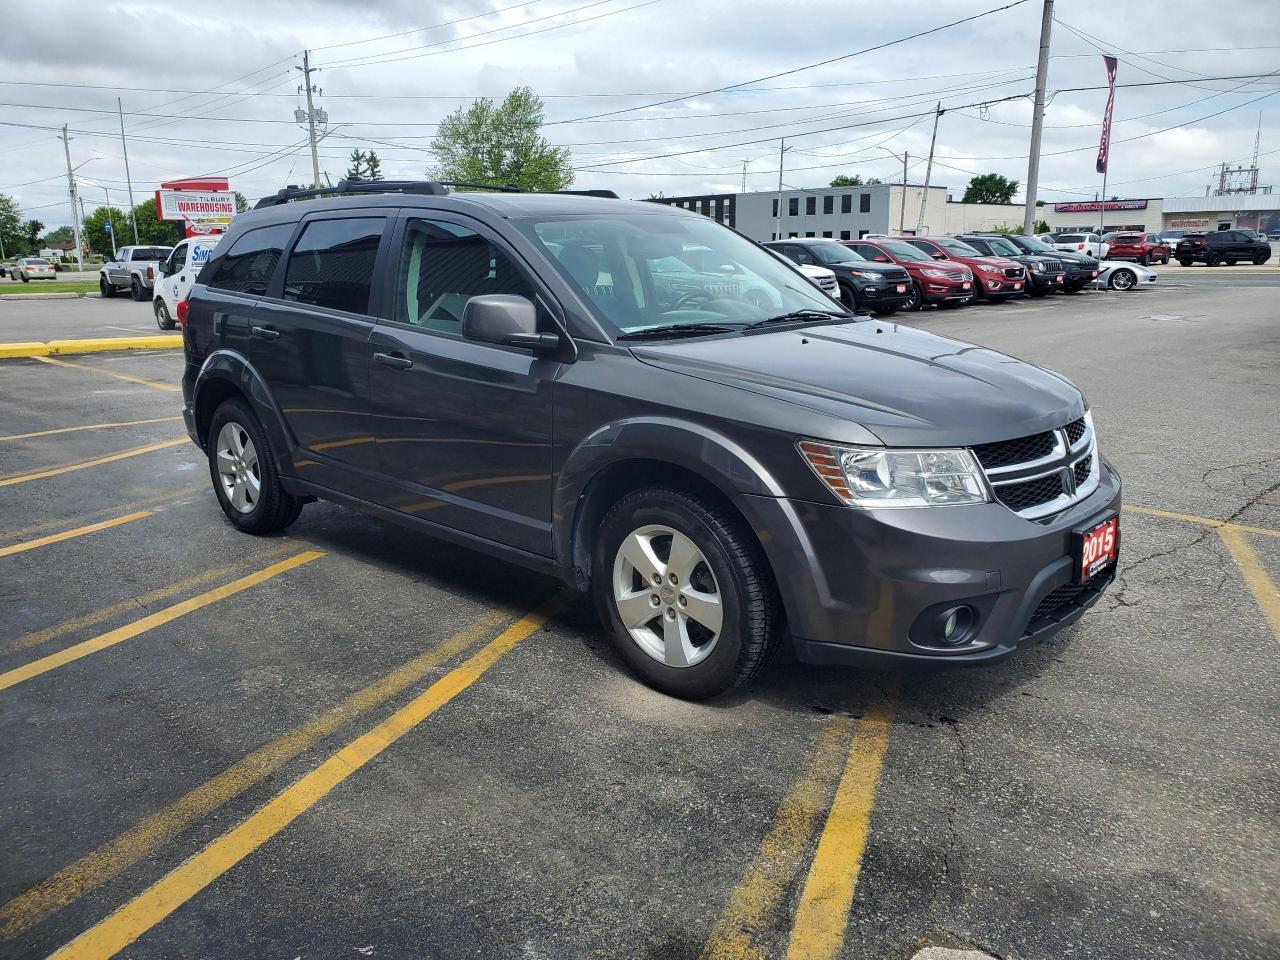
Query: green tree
[31, 231]
[846, 181]
[364, 167]
[151, 229]
[95, 229]
[1041, 226]
[242, 202]
[501, 144]
[990, 188]
[58, 235]
[11, 235]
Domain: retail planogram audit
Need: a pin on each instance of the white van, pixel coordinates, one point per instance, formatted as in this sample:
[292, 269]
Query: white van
[177, 274]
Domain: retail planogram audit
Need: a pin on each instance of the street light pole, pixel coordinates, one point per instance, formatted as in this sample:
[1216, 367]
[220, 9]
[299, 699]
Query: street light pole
[71, 188]
[777, 217]
[124, 145]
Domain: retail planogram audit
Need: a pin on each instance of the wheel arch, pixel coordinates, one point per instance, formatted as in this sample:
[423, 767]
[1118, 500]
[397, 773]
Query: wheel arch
[626, 456]
[228, 375]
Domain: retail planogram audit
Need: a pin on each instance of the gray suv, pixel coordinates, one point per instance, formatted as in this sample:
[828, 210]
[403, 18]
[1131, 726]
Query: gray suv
[513, 372]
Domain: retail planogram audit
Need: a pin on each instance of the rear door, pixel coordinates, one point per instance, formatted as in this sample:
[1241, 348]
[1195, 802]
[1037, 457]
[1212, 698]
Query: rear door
[309, 339]
[464, 428]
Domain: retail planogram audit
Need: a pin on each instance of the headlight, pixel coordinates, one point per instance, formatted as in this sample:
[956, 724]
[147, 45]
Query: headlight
[867, 275]
[989, 269]
[876, 477]
[1038, 267]
[939, 274]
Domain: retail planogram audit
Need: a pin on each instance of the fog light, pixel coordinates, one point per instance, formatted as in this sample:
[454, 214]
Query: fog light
[953, 626]
[993, 284]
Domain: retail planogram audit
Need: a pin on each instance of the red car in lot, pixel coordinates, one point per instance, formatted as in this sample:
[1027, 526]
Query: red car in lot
[1142, 247]
[946, 284]
[994, 278]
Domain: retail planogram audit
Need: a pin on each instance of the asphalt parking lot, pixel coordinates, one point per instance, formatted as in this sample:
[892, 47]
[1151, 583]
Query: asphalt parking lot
[352, 741]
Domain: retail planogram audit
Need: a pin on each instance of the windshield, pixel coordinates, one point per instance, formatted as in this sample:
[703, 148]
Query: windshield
[835, 253]
[958, 247]
[1032, 244]
[901, 250]
[654, 270]
[1003, 246]
[151, 253]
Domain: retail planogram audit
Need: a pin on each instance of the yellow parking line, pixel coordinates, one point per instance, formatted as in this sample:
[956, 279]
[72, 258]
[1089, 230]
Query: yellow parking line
[142, 602]
[1203, 521]
[37, 667]
[129, 922]
[113, 858]
[823, 911]
[128, 377]
[753, 904]
[71, 534]
[90, 426]
[86, 464]
[1260, 585]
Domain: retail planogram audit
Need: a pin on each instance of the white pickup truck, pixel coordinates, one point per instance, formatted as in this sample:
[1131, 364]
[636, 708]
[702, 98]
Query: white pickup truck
[134, 269]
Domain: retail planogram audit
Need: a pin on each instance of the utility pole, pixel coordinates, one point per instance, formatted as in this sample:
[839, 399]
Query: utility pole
[782, 150]
[124, 145]
[902, 210]
[1037, 118]
[928, 167]
[311, 116]
[744, 175]
[71, 188]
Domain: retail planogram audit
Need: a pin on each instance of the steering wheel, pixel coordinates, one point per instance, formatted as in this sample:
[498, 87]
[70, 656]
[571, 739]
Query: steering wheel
[692, 297]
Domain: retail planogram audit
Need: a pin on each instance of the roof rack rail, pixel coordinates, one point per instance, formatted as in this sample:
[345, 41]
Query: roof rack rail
[429, 187]
[294, 192]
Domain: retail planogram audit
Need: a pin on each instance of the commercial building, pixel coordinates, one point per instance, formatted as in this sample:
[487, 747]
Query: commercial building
[847, 213]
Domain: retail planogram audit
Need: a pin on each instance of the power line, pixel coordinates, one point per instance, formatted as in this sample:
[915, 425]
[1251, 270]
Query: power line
[820, 63]
[435, 26]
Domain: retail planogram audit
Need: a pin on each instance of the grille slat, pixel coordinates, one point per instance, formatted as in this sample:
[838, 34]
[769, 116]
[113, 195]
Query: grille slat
[1075, 430]
[1021, 450]
[1030, 493]
[1082, 469]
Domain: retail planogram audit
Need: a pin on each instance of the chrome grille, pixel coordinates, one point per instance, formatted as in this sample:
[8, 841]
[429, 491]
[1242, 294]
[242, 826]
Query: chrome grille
[828, 283]
[1043, 473]
[1053, 266]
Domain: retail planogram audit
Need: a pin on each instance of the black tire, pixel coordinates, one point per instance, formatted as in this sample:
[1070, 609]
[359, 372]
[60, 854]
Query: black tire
[1145, 260]
[1260, 259]
[848, 296]
[1231, 261]
[1186, 263]
[1164, 261]
[136, 291]
[274, 509]
[1214, 259]
[954, 304]
[751, 625]
[106, 289]
[25, 278]
[1038, 292]
[163, 320]
[915, 299]
[886, 311]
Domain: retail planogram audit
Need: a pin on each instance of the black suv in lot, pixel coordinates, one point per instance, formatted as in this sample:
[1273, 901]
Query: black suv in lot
[1222, 246]
[864, 285]
[500, 370]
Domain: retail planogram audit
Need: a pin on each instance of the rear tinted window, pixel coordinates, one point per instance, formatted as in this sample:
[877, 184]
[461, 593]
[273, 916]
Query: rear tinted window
[1072, 238]
[251, 261]
[151, 253]
[331, 265]
[36, 261]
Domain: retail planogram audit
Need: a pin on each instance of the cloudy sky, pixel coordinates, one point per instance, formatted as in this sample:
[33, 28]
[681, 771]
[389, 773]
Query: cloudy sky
[636, 89]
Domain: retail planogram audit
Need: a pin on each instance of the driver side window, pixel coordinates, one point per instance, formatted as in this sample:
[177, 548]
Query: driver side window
[442, 266]
[800, 255]
[178, 259]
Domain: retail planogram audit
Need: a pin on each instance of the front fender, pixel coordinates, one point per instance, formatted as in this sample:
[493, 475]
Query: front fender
[711, 455]
[229, 368]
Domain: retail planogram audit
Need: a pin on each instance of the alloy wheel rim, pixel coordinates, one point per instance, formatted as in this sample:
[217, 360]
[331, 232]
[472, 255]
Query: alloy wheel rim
[667, 596]
[238, 468]
[1123, 280]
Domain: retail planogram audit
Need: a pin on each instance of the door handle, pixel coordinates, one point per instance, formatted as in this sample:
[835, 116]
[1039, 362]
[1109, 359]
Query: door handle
[266, 333]
[395, 361]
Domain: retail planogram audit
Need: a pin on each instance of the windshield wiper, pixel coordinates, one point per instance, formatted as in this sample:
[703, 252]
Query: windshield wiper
[800, 316]
[677, 330]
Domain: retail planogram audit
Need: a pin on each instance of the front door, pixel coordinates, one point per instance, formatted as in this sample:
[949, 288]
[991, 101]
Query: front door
[310, 341]
[464, 428]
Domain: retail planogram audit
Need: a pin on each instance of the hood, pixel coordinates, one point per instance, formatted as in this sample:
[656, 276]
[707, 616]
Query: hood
[1000, 262]
[1075, 256]
[906, 386]
[869, 267]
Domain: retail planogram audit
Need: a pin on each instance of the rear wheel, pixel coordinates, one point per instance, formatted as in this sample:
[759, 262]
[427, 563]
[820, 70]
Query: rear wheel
[163, 320]
[25, 278]
[135, 288]
[685, 591]
[1186, 263]
[1145, 259]
[244, 472]
[886, 311]
[106, 289]
[1231, 261]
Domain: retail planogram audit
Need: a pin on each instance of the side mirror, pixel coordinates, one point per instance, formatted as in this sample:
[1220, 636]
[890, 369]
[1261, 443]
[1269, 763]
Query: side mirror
[881, 259]
[164, 268]
[506, 320]
[939, 256]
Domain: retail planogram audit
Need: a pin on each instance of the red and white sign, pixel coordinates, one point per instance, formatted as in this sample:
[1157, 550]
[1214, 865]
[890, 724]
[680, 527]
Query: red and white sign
[1187, 224]
[1098, 548]
[196, 206]
[1093, 206]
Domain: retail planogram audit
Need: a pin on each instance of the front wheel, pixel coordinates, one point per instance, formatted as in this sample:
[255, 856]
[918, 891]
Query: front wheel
[1186, 263]
[1122, 280]
[915, 298]
[244, 472]
[1214, 259]
[1260, 259]
[105, 288]
[163, 320]
[686, 594]
[848, 297]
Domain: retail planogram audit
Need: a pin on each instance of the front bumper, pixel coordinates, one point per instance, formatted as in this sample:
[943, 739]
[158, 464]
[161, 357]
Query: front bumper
[868, 585]
[940, 291]
[1039, 280]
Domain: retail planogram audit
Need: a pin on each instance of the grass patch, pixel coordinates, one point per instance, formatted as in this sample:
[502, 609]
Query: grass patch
[50, 286]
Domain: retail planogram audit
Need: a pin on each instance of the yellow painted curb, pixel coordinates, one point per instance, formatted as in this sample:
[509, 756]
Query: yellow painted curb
[52, 348]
